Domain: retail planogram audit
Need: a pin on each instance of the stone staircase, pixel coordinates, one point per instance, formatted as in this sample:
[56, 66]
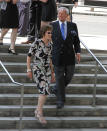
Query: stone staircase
[78, 113]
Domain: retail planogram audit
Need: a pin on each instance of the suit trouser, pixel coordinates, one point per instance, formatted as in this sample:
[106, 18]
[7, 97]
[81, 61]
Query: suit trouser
[35, 13]
[23, 17]
[63, 75]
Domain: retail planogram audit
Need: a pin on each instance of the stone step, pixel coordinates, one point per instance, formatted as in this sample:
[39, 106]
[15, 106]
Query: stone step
[89, 68]
[30, 88]
[80, 129]
[50, 110]
[54, 122]
[22, 67]
[20, 48]
[77, 79]
[86, 89]
[31, 99]
[6, 57]
[93, 51]
[14, 67]
[21, 57]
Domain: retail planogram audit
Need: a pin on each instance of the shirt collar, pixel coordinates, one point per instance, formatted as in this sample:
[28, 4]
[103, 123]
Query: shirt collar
[60, 22]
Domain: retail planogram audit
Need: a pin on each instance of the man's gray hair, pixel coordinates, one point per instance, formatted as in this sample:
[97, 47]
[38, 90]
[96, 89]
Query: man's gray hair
[63, 8]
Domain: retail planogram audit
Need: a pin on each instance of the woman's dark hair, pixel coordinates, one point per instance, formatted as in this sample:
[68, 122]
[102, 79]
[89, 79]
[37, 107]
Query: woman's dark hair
[44, 29]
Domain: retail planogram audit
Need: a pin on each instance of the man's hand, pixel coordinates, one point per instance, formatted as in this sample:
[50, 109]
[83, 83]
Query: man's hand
[78, 57]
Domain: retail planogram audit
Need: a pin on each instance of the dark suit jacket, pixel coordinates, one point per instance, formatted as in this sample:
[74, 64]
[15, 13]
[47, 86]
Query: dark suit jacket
[63, 52]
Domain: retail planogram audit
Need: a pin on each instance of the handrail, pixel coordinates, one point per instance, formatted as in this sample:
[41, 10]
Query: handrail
[10, 75]
[95, 77]
[22, 94]
[94, 56]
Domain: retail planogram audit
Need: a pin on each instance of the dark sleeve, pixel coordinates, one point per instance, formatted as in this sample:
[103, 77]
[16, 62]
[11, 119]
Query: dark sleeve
[76, 40]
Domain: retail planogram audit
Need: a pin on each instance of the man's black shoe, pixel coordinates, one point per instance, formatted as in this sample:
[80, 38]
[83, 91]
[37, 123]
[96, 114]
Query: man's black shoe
[60, 105]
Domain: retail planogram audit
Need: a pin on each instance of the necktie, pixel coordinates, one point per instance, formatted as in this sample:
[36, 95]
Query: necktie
[63, 30]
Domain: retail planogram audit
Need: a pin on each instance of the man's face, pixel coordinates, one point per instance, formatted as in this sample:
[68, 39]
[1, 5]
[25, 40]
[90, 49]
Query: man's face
[62, 15]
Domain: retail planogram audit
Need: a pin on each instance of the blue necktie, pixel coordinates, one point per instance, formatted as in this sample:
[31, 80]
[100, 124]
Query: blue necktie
[63, 30]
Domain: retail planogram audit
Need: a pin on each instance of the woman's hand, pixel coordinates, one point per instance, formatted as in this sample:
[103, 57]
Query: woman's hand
[29, 74]
[52, 77]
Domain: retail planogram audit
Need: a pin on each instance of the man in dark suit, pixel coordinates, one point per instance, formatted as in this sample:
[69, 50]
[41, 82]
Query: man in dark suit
[66, 46]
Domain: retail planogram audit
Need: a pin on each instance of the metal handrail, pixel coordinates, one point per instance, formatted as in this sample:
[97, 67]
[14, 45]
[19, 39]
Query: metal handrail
[10, 75]
[22, 94]
[97, 62]
[93, 56]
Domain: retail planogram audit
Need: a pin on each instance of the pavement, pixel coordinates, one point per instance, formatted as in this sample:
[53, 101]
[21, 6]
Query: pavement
[92, 42]
[96, 42]
[86, 10]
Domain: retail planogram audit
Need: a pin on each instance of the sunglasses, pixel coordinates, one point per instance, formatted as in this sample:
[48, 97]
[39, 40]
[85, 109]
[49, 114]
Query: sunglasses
[49, 32]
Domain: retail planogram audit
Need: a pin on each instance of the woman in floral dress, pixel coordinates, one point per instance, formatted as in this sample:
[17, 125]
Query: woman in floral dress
[42, 68]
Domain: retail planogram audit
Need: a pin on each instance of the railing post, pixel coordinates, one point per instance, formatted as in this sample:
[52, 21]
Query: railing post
[95, 83]
[21, 107]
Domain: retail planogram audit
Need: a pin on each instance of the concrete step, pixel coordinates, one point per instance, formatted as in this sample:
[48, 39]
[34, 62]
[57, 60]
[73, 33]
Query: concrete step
[54, 122]
[81, 129]
[21, 57]
[50, 110]
[30, 88]
[84, 51]
[31, 99]
[77, 79]
[89, 68]
[14, 67]
[6, 57]
[20, 48]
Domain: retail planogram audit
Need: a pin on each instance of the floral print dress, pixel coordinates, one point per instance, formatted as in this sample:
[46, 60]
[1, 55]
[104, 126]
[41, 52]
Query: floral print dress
[41, 65]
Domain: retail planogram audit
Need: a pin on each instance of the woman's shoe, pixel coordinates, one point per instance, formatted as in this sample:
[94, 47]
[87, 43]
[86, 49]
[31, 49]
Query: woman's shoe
[12, 51]
[40, 118]
[1, 41]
